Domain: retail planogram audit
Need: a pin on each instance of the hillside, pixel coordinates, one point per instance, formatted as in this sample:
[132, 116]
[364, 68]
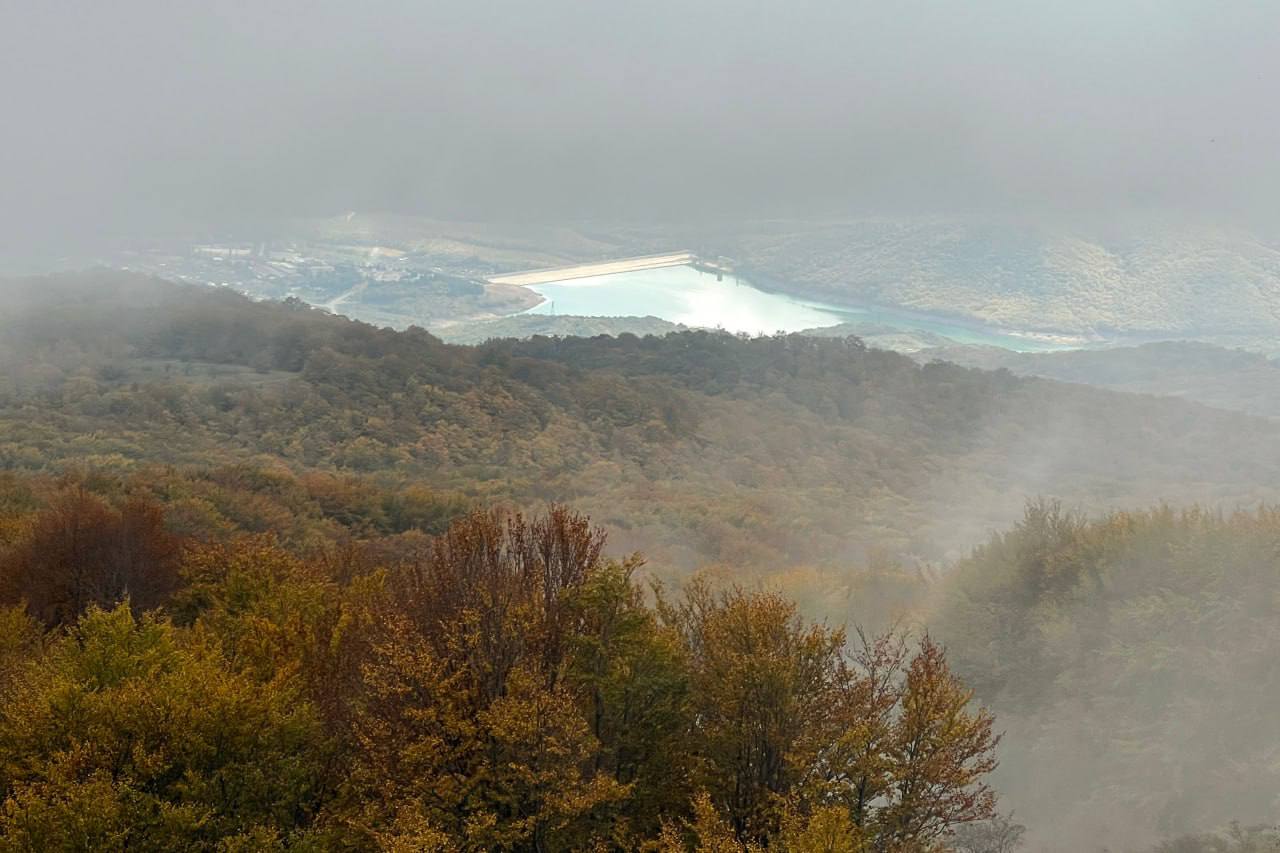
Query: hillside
[271, 473]
[500, 686]
[1131, 659]
[529, 325]
[694, 447]
[1127, 280]
[882, 336]
[1224, 378]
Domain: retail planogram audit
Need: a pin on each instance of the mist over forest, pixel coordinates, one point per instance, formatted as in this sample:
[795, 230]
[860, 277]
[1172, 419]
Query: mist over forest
[689, 428]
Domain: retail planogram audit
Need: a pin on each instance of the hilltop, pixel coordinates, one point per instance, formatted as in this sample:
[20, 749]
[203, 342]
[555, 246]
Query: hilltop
[1216, 376]
[1128, 283]
[1132, 659]
[159, 413]
[1128, 280]
[694, 447]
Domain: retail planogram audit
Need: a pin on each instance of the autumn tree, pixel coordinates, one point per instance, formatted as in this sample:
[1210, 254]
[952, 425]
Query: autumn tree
[470, 725]
[130, 734]
[632, 672]
[851, 766]
[941, 752]
[81, 551]
[20, 640]
[763, 682]
[501, 686]
[873, 749]
[277, 616]
[905, 756]
[999, 834]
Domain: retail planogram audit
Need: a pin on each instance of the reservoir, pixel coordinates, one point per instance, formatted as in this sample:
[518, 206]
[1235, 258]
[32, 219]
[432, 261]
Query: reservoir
[682, 294]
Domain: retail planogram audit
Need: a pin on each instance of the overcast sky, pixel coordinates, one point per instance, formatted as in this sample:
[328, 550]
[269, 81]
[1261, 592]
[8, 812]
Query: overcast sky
[127, 114]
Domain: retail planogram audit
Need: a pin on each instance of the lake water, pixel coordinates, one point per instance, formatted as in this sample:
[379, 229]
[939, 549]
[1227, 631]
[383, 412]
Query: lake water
[686, 295]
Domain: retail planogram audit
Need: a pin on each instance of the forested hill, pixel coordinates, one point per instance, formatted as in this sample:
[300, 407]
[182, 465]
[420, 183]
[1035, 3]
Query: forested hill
[695, 447]
[1216, 376]
[1132, 663]
[1145, 278]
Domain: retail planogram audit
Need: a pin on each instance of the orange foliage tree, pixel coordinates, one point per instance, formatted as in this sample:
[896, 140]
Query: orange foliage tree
[81, 551]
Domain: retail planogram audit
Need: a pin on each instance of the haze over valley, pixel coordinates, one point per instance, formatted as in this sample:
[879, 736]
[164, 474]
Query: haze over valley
[915, 283]
[821, 427]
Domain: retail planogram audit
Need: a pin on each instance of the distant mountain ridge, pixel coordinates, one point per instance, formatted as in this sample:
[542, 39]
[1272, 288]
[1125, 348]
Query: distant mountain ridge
[695, 446]
[1216, 284]
[1215, 376]
[1126, 283]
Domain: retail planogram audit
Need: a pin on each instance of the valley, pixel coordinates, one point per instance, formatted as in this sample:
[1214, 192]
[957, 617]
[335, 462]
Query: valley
[913, 283]
[305, 461]
[717, 427]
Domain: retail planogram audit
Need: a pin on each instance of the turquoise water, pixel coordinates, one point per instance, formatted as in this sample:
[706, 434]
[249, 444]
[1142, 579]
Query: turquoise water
[694, 298]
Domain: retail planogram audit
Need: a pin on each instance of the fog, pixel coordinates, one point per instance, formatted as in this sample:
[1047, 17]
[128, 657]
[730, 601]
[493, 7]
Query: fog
[1129, 660]
[148, 115]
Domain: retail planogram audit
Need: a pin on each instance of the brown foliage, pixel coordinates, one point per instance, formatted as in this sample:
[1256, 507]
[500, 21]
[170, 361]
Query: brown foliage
[798, 735]
[941, 753]
[469, 724]
[503, 686]
[81, 551]
[497, 584]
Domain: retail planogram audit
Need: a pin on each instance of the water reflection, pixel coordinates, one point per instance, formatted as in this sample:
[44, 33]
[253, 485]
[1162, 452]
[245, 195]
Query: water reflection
[685, 295]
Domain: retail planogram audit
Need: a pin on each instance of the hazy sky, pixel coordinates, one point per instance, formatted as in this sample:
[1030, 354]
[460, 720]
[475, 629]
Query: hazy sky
[128, 114]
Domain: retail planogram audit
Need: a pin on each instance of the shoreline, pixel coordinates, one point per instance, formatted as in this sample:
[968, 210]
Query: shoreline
[902, 319]
[1069, 339]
